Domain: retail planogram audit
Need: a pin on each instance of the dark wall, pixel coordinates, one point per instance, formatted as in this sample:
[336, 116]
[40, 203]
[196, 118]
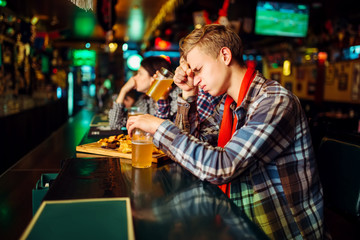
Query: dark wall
[21, 132]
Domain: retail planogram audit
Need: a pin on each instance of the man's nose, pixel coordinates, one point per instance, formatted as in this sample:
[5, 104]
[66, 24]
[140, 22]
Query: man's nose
[197, 80]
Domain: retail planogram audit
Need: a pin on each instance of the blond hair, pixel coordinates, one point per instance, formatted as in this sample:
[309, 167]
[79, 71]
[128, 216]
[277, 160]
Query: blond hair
[211, 39]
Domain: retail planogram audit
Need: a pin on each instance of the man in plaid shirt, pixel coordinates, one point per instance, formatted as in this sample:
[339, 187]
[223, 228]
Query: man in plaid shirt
[264, 153]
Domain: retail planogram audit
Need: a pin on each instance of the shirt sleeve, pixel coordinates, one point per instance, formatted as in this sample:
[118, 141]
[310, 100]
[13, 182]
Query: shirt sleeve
[167, 108]
[117, 116]
[262, 133]
[163, 109]
[187, 114]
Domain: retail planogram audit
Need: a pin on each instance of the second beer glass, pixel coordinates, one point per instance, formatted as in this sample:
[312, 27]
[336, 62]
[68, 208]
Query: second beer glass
[161, 84]
[134, 111]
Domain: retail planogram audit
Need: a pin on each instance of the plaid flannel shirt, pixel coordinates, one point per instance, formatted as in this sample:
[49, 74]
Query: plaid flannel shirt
[269, 160]
[206, 104]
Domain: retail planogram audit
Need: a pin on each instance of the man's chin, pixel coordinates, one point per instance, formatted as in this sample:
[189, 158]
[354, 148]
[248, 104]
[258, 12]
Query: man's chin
[216, 94]
[212, 93]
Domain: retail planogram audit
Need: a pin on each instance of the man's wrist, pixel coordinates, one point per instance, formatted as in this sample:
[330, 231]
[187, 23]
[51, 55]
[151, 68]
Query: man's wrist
[187, 94]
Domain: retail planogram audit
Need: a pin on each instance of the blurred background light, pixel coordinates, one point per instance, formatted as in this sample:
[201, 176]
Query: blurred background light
[133, 62]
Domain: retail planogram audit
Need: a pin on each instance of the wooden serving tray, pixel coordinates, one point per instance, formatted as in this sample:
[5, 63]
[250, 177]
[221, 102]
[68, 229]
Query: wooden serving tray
[95, 148]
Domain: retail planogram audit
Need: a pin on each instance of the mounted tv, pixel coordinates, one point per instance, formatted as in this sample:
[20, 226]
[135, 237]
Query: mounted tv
[281, 19]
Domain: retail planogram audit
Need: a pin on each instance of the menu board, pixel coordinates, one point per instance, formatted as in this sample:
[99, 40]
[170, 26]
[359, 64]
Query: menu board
[97, 218]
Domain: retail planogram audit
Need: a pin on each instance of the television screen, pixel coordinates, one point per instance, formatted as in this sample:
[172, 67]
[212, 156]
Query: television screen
[281, 19]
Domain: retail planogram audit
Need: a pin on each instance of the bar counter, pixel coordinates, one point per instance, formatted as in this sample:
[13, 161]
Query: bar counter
[167, 202]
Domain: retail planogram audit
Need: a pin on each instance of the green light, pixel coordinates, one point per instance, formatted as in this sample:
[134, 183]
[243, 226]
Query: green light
[107, 83]
[302, 7]
[3, 3]
[274, 65]
[136, 25]
[84, 57]
[133, 62]
[45, 64]
[84, 24]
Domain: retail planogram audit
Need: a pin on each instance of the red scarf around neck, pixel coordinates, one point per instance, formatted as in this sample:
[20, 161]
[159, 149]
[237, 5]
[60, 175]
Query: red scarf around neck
[228, 126]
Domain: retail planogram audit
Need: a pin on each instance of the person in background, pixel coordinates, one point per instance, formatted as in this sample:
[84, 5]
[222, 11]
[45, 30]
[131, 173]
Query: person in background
[102, 94]
[165, 108]
[130, 98]
[256, 146]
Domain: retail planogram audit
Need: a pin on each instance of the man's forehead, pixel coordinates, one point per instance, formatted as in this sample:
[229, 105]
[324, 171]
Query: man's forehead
[194, 57]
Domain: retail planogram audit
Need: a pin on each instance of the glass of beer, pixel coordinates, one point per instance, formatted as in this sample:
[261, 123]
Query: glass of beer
[142, 149]
[161, 84]
[134, 111]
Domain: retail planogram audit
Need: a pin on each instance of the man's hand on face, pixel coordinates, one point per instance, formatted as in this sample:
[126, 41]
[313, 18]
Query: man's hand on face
[184, 79]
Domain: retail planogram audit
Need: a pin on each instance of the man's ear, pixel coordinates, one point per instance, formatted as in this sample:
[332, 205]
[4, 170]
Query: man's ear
[226, 55]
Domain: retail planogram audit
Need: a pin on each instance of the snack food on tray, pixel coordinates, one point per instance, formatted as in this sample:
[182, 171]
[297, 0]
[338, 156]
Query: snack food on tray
[121, 143]
[112, 142]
